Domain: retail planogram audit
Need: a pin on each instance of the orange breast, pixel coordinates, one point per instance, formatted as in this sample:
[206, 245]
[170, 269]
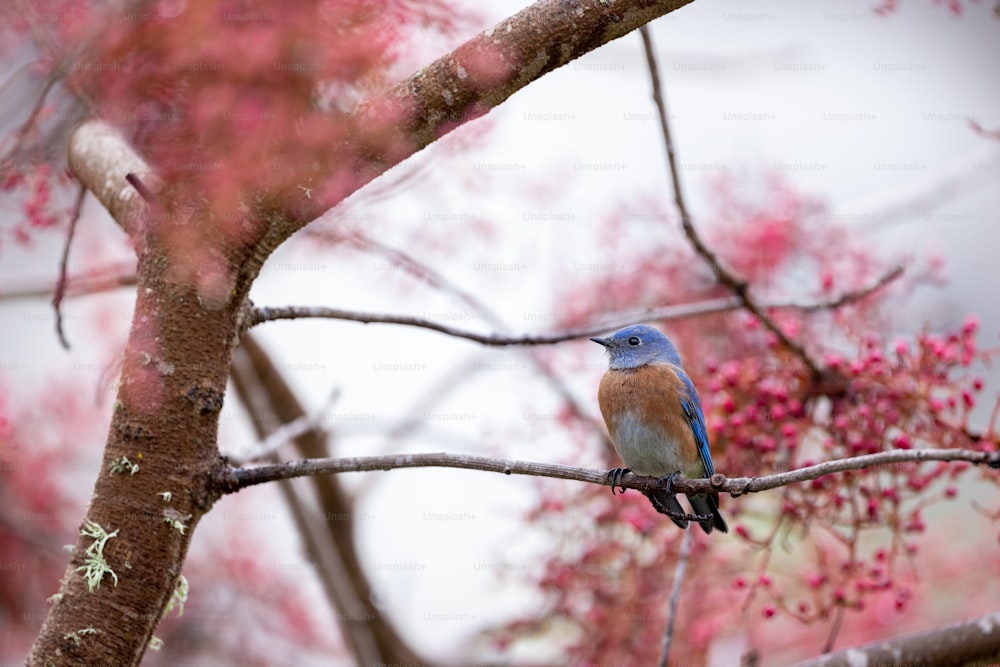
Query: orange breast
[642, 409]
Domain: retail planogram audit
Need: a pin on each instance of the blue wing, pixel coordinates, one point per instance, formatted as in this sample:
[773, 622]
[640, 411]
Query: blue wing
[696, 420]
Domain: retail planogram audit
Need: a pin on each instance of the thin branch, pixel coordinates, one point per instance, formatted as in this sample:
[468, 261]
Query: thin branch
[296, 312]
[80, 285]
[739, 286]
[60, 290]
[50, 81]
[848, 297]
[675, 595]
[615, 321]
[423, 272]
[258, 396]
[140, 187]
[284, 435]
[230, 480]
[982, 131]
[838, 619]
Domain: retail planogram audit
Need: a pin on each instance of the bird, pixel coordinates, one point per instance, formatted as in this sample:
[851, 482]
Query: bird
[654, 416]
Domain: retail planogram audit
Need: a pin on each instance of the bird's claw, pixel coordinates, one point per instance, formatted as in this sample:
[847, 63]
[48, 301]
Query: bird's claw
[668, 481]
[615, 477]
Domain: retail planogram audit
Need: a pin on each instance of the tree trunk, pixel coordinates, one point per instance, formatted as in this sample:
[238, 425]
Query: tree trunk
[148, 493]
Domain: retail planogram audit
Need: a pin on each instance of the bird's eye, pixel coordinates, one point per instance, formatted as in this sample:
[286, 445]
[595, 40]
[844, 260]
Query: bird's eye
[633, 341]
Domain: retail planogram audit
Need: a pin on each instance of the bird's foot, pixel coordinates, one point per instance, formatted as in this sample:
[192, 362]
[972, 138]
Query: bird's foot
[615, 477]
[668, 481]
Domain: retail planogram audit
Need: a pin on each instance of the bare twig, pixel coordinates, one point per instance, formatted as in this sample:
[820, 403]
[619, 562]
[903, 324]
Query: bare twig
[230, 479]
[140, 187]
[423, 272]
[284, 435]
[429, 275]
[31, 122]
[295, 312]
[982, 131]
[848, 297]
[675, 594]
[739, 286]
[80, 285]
[60, 290]
[838, 619]
[614, 321]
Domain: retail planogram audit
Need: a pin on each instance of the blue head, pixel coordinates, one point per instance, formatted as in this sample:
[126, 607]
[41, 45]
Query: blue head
[638, 345]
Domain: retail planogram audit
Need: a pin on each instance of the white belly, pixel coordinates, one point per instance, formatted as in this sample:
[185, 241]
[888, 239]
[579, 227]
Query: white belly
[645, 450]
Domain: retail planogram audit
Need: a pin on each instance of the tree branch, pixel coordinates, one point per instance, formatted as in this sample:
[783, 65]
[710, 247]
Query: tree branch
[60, 290]
[80, 285]
[615, 321]
[478, 76]
[329, 544]
[230, 480]
[738, 285]
[976, 641]
[101, 159]
[847, 297]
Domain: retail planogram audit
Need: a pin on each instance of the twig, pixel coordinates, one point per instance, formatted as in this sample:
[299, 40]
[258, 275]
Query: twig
[739, 286]
[426, 273]
[80, 285]
[851, 296]
[60, 290]
[295, 312]
[982, 131]
[286, 433]
[423, 272]
[615, 321]
[230, 480]
[22, 132]
[675, 594]
[834, 629]
[140, 187]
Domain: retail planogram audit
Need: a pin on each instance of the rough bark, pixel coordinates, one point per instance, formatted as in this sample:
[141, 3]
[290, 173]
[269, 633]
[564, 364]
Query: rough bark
[165, 421]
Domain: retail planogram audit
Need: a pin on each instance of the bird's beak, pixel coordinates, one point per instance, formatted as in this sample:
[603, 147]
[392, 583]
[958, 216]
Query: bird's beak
[606, 342]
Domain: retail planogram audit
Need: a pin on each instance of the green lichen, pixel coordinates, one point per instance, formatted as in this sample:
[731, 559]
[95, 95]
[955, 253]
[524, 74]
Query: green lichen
[94, 566]
[76, 635]
[123, 465]
[178, 598]
[176, 520]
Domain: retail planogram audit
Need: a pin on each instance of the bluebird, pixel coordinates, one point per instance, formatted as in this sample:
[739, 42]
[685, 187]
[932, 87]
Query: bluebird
[655, 419]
